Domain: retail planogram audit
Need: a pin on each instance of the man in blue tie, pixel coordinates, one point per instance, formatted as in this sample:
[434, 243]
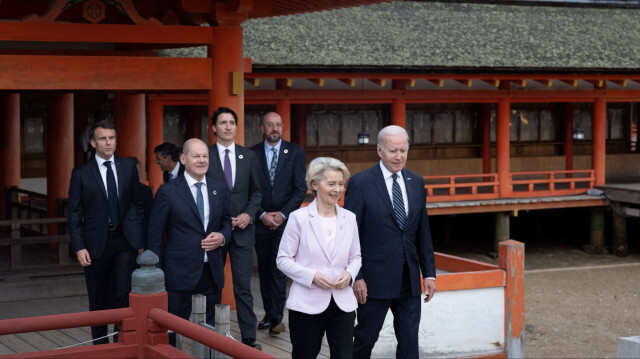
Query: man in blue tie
[190, 223]
[237, 166]
[389, 202]
[105, 223]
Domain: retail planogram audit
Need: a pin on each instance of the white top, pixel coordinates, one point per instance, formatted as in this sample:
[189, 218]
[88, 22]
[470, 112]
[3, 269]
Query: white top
[329, 227]
[232, 159]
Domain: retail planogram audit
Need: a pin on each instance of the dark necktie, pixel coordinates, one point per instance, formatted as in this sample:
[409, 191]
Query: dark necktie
[112, 194]
[227, 169]
[274, 165]
[200, 201]
[398, 202]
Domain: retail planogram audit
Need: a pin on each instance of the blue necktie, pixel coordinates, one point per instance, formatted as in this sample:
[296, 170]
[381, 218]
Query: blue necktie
[200, 201]
[227, 169]
[398, 202]
[274, 165]
[112, 195]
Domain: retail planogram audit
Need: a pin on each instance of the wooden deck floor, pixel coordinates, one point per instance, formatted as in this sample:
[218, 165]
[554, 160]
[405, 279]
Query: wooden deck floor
[276, 345]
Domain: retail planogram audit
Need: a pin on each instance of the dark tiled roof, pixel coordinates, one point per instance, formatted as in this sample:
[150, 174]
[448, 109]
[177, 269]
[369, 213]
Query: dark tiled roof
[432, 35]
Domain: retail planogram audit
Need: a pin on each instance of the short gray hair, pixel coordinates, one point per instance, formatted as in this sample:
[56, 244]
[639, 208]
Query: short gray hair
[391, 131]
[319, 166]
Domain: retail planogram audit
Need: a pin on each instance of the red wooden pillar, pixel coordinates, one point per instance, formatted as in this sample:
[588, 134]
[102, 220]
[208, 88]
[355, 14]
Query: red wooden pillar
[399, 112]
[300, 128]
[130, 122]
[60, 142]
[9, 146]
[503, 147]
[567, 134]
[485, 133]
[598, 128]
[511, 257]
[283, 108]
[154, 138]
[228, 65]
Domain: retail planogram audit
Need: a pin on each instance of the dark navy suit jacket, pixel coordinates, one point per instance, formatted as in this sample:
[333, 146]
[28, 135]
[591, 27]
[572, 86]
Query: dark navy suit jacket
[89, 206]
[382, 242]
[174, 215]
[289, 187]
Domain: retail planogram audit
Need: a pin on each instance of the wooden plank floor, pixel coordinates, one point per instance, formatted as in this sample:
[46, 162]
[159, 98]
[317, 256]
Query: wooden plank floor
[276, 345]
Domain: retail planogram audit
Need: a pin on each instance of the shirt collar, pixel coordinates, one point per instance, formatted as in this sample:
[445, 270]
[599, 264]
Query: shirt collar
[101, 160]
[175, 170]
[231, 148]
[191, 181]
[386, 173]
[268, 147]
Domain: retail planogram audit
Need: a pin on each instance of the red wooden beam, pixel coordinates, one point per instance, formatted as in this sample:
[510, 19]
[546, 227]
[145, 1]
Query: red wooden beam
[153, 34]
[103, 73]
[492, 82]
[466, 82]
[318, 82]
[348, 82]
[379, 82]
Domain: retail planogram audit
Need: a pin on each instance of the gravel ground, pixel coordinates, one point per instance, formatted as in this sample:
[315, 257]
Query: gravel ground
[577, 304]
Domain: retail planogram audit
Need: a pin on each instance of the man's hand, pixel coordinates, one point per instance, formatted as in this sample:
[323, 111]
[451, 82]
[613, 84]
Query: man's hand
[212, 241]
[83, 257]
[360, 290]
[277, 218]
[268, 221]
[343, 280]
[140, 250]
[429, 289]
[322, 280]
[242, 221]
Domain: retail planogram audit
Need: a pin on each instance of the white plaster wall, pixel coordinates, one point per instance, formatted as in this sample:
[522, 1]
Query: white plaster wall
[454, 324]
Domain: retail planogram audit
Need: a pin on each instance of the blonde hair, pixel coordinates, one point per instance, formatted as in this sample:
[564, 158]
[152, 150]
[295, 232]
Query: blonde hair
[319, 166]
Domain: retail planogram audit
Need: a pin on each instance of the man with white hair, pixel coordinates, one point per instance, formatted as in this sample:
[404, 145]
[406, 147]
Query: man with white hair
[390, 206]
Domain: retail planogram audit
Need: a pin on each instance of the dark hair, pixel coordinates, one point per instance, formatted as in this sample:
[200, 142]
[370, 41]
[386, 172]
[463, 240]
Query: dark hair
[168, 149]
[101, 124]
[220, 111]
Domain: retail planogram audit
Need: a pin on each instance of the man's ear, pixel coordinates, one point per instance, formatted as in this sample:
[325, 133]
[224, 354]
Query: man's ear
[183, 159]
[93, 143]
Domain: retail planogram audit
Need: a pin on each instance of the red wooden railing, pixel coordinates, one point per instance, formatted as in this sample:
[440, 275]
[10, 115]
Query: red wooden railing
[143, 332]
[467, 187]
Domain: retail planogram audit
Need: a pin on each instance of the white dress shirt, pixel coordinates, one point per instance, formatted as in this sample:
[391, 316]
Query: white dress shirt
[232, 158]
[103, 171]
[388, 180]
[205, 196]
[174, 172]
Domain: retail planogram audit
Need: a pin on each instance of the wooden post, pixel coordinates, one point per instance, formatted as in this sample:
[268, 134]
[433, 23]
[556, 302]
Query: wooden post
[60, 142]
[399, 112]
[154, 138]
[283, 108]
[299, 125]
[485, 133]
[597, 231]
[9, 147]
[512, 262]
[503, 148]
[502, 228]
[567, 134]
[620, 246]
[223, 324]
[130, 123]
[198, 316]
[598, 129]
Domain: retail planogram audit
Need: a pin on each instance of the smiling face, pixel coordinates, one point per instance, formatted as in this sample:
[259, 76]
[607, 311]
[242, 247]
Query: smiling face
[195, 159]
[104, 141]
[330, 187]
[393, 152]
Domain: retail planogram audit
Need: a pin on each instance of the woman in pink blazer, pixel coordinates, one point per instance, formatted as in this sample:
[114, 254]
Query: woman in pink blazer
[320, 252]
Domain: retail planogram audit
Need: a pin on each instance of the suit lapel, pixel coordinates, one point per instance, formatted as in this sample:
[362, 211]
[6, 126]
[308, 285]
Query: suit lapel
[98, 178]
[121, 181]
[262, 159]
[316, 226]
[283, 156]
[213, 197]
[340, 219]
[184, 192]
[241, 163]
[409, 180]
[215, 161]
[381, 186]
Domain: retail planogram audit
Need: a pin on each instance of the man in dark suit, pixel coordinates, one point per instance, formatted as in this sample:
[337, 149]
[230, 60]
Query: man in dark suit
[167, 155]
[105, 223]
[282, 171]
[191, 213]
[238, 168]
[390, 206]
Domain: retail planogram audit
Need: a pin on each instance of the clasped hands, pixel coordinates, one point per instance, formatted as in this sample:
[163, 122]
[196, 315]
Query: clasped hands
[323, 281]
[273, 220]
[242, 221]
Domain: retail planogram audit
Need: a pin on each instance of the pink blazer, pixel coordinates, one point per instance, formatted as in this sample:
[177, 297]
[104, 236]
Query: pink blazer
[303, 252]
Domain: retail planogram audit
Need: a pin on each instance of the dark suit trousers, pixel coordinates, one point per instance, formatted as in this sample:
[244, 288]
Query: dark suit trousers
[273, 283]
[180, 301]
[109, 279]
[241, 258]
[307, 331]
[406, 320]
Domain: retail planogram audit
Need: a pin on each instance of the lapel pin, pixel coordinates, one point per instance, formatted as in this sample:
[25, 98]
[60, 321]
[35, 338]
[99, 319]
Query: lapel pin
[408, 178]
[215, 193]
[286, 151]
[240, 157]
